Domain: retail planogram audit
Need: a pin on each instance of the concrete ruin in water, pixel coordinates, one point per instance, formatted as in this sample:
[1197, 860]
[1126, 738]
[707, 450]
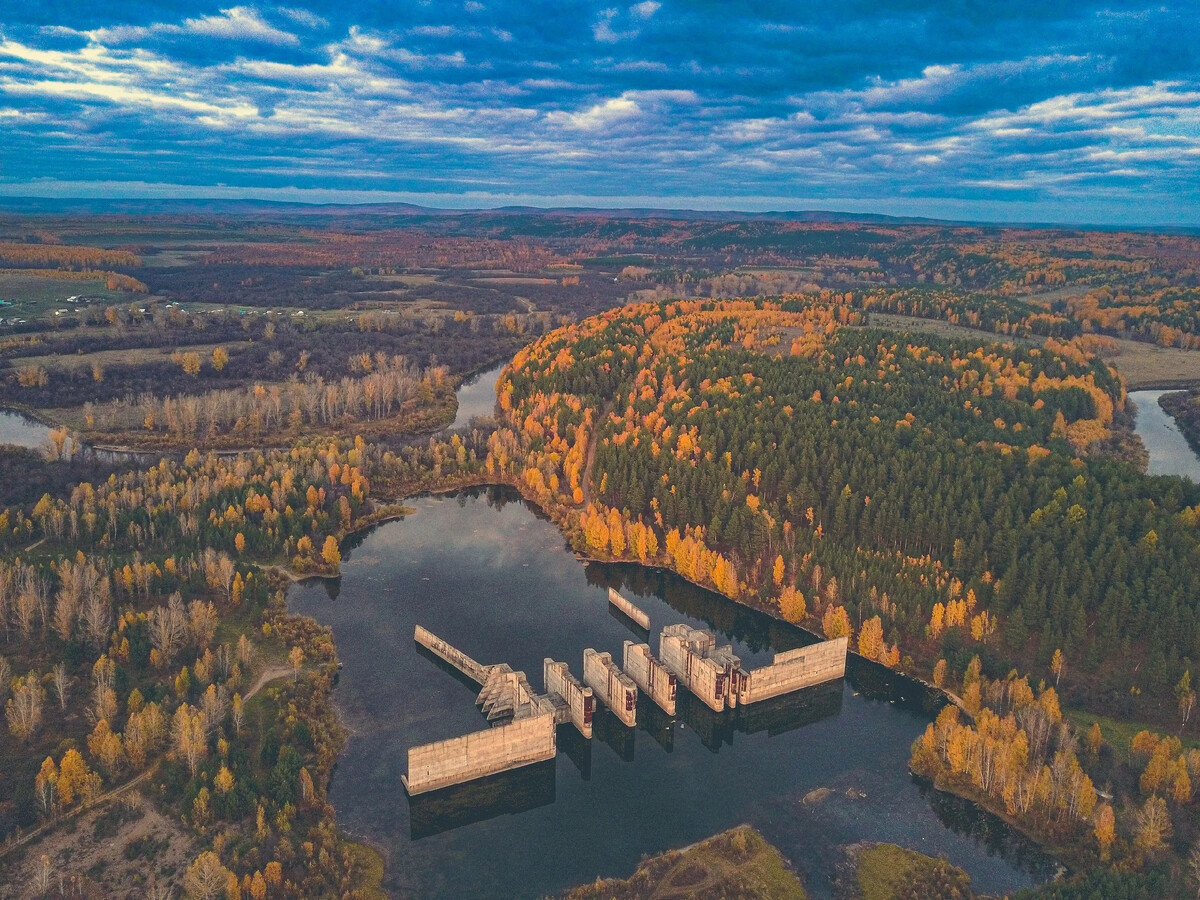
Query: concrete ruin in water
[524, 722]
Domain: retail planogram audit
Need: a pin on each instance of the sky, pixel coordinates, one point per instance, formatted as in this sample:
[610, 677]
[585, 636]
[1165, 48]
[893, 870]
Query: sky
[1016, 110]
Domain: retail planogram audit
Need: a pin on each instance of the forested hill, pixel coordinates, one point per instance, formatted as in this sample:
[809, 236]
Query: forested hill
[941, 499]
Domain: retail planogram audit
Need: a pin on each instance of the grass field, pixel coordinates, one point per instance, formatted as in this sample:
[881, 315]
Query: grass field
[734, 865]
[1143, 365]
[107, 358]
[883, 869]
[35, 296]
[1118, 733]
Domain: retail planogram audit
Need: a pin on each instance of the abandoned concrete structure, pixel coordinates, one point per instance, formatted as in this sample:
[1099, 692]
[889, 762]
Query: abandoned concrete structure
[528, 737]
[524, 722]
[703, 668]
[794, 670]
[634, 613]
[651, 677]
[579, 698]
[612, 687]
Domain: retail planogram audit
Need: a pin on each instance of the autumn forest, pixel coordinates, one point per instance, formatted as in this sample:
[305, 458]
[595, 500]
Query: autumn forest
[915, 435]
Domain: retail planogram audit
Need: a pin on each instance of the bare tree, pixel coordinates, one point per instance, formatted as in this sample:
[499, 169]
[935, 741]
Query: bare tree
[202, 622]
[168, 627]
[62, 684]
[97, 615]
[24, 709]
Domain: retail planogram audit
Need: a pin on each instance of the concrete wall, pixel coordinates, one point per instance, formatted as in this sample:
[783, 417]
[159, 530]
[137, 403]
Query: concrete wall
[681, 648]
[629, 609]
[579, 698]
[471, 756]
[794, 670]
[451, 654]
[612, 687]
[651, 676]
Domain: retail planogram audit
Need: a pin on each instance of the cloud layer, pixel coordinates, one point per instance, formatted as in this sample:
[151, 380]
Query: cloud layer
[1052, 111]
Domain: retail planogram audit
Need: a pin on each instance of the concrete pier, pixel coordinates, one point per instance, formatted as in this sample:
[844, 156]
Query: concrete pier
[651, 677]
[611, 686]
[637, 615]
[794, 670]
[451, 655]
[578, 697]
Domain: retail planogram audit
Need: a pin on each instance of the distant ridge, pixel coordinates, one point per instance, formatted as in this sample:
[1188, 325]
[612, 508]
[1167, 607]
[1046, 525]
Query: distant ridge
[411, 212]
[108, 206]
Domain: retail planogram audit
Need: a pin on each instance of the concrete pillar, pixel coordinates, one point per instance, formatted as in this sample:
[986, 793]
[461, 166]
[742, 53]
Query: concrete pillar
[611, 686]
[651, 676]
[580, 698]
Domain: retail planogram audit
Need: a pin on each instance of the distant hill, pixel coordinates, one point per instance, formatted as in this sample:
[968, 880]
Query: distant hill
[106, 206]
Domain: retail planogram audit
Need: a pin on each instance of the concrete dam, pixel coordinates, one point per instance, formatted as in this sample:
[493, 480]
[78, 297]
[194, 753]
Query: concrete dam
[524, 723]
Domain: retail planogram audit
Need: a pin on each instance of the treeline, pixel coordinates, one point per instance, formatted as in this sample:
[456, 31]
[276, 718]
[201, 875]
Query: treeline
[388, 389]
[64, 256]
[280, 350]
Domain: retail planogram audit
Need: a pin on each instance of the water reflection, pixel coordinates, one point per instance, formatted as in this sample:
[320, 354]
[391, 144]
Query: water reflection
[476, 397]
[506, 794]
[965, 818]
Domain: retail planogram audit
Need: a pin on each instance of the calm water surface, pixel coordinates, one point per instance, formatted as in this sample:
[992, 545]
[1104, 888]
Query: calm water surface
[20, 430]
[1170, 453]
[484, 572]
[477, 397]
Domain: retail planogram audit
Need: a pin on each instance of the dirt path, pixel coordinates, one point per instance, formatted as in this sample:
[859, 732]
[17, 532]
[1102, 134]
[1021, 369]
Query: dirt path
[593, 440]
[273, 673]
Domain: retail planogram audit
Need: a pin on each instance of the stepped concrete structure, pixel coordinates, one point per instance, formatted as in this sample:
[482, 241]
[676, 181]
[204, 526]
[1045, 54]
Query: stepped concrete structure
[529, 735]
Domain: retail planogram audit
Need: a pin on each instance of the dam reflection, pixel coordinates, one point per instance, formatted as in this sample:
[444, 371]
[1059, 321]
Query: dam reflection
[530, 787]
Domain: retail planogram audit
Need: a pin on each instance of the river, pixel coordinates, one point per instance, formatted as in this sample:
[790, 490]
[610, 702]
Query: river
[1170, 453]
[477, 396]
[486, 573]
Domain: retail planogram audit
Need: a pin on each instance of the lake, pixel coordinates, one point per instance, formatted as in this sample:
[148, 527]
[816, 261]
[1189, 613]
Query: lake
[483, 571]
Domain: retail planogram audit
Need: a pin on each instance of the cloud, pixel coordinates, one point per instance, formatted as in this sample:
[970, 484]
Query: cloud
[613, 25]
[304, 17]
[239, 23]
[1040, 101]
[599, 116]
